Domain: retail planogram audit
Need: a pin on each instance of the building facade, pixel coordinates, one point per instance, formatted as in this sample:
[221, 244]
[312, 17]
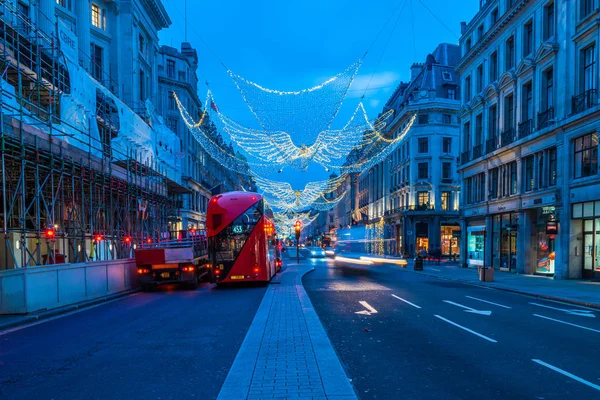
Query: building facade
[529, 132]
[420, 179]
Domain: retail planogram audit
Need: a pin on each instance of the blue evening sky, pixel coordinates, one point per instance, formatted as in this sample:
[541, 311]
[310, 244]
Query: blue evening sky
[292, 45]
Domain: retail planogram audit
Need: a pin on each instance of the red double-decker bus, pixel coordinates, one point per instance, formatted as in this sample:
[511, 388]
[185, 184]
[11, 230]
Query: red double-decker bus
[239, 239]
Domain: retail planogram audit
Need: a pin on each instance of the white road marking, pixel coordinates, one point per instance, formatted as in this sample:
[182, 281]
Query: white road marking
[567, 323]
[569, 304]
[406, 301]
[369, 310]
[434, 269]
[565, 373]
[581, 313]
[466, 329]
[489, 302]
[469, 309]
[42, 321]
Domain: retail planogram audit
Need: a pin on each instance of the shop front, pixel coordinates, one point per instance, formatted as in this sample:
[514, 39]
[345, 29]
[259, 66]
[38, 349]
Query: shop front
[450, 235]
[422, 236]
[546, 229]
[504, 241]
[588, 215]
[475, 243]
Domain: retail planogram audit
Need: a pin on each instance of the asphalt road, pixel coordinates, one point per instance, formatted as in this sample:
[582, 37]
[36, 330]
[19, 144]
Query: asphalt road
[170, 344]
[444, 340]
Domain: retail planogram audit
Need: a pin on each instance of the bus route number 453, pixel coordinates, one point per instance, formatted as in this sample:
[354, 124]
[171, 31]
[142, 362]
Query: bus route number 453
[238, 229]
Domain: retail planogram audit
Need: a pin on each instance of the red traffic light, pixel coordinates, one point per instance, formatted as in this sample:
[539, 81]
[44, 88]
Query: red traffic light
[127, 239]
[298, 225]
[98, 238]
[50, 233]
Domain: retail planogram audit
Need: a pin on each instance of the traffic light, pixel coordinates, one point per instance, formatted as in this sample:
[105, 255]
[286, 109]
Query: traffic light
[298, 228]
[50, 234]
[98, 238]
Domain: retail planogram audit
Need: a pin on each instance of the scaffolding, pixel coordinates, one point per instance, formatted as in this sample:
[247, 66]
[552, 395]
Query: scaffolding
[67, 200]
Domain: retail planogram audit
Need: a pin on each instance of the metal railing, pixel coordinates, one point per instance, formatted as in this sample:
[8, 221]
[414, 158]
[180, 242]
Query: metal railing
[583, 101]
[525, 128]
[491, 144]
[477, 151]
[508, 136]
[546, 118]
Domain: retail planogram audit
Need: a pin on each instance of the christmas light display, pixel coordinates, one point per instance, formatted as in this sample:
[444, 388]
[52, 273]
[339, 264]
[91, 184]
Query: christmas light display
[302, 114]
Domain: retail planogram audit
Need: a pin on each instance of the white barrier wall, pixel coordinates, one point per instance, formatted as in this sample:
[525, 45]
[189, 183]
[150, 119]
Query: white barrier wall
[26, 290]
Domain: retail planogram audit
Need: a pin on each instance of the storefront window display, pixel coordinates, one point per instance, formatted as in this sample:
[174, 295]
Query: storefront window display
[475, 245]
[449, 240]
[545, 241]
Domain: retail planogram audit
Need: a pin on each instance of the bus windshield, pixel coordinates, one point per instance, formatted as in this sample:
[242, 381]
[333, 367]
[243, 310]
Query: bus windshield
[228, 244]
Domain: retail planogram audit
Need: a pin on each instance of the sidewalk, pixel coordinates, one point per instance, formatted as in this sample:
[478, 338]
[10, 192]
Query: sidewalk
[286, 353]
[580, 292]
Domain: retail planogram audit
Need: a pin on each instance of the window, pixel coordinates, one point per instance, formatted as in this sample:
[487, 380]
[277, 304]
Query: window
[423, 199]
[509, 112]
[468, 45]
[447, 119]
[548, 89]
[494, 66]
[143, 46]
[423, 170]
[494, 15]
[513, 177]
[586, 155]
[172, 124]
[423, 119]
[423, 145]
[586, 7]
[479, 187]
[446, 170]
[62, 3]
[480, 78]
[541, 172]
[171, 68]
[528, 38]
[447, 145]
[589, 68]
[527, 102]
[451, 93]
[552, 167]
[447, 76]
[97, 55]
[468, 196]
[510, 53]
[98, 17]
[467, 94]
[446, 200]
[479, 32]
[479, 130]
[494, 176]
[467, 136]
[142, 85]
[549, 23]
[493, 122]
[529, 171]
[171, 101]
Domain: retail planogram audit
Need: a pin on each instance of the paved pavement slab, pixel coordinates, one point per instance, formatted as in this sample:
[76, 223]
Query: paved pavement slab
[286, 352]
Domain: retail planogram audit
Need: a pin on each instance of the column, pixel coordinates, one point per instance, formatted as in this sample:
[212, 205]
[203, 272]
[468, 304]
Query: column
[83, 14]
[489, 241]
[526, 245]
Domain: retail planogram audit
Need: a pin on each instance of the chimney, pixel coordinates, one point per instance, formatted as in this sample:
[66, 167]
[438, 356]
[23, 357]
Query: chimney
[463, 27]
[415, 70]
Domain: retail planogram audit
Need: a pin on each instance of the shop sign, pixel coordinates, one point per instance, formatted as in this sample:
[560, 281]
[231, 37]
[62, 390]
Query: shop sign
[551, 228]
[548, 210]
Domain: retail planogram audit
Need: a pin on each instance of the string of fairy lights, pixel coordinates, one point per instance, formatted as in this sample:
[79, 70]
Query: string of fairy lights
[295, 131]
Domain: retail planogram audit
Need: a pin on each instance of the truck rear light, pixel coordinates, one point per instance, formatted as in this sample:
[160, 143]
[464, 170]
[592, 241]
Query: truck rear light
[143, 271]
[256, 270]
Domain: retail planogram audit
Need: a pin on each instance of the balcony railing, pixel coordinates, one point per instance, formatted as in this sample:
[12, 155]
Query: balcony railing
[447, 180]
[584, 101]
[419, 207]
[508, 136]
[525, 128]
[546, 118]
[491, 144]
[465, 157]
[477, 151]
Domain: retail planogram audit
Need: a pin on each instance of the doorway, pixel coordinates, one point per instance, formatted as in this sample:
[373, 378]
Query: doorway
[591, 249]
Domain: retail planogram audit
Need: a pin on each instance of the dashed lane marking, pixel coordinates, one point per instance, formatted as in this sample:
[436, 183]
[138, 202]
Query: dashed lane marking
[567, 323]
[565, 373]
[466, 329]
[489, 302]
[406, 301]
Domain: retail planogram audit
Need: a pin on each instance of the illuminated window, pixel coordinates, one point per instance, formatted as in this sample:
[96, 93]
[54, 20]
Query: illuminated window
[446, 201]
[423, 198]
[98, 17]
